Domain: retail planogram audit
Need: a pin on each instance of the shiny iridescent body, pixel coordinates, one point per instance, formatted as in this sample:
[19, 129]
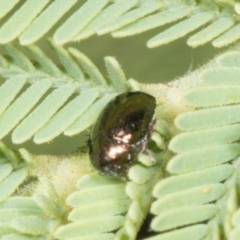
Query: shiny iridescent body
[122, 132]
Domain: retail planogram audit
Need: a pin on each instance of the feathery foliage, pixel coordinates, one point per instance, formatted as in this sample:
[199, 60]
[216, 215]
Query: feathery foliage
[200, 198]
[80, 80]
[192, 190]
[122, 18]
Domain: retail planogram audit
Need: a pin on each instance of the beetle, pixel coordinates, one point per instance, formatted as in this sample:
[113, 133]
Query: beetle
[121, 132]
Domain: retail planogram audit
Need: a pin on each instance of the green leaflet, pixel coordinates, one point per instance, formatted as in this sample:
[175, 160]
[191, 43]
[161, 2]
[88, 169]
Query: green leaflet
[225, 75]
[20, 237]
[9, 90]
[211, 31]
[19, 58]
[181, 200]
[71, 67]
[228, 37]
[180, 217]
[120, 18]
[50, 117]
[88, 195]
[5, 170]
[90, 180]
[29, 217]
[40, 116]
[208, 118]
[206, 137]
[30, 225]
[131, 16]
[89, 117]
[188, 233]
[180, 29]
[194, 196]
[66, 116]
[140, 174]
[83, 15]
[20, 203]
[41, 24]
[89, 227]
[46, 205]
[6, 6]
[9, 155]
[229, 59]
[109, 14]
[139, 188]
[220, 95]
[9, 185]
[45, 63]
[28, 99]
[25, 217]
[20, 20]
[102, 208]
[152, 21]
[88, 66]
[206, 160]
[10, 214]
[116, 75]
[88, 217]
[193, 179]
[12, 173]
[105, 190]
[203, 158]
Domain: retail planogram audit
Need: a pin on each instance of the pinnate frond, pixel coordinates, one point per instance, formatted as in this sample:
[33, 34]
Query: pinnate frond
[200, 198]
[218, 21]
[43, 109]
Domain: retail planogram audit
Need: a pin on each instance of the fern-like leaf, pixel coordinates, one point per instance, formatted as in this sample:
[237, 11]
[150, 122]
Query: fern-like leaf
[123, 18]
[203, 191]
[105, 197]
[13, 172]
[61, 115]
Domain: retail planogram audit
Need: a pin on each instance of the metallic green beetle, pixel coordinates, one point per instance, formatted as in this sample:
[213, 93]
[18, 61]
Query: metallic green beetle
[122, 132]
